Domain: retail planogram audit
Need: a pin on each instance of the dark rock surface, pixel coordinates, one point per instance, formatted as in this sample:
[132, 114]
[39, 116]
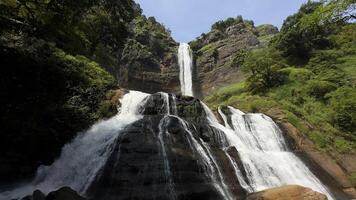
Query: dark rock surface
[64, 193]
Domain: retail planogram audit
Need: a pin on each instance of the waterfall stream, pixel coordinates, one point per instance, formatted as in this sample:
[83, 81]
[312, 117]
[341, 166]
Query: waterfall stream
[185, 58]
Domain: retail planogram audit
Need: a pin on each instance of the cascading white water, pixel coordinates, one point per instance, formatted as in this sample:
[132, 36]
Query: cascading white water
[185, 58]
[82, 159]
[263, 152]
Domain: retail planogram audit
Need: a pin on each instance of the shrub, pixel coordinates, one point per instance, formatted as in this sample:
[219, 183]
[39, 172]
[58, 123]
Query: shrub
[318, 89]
[319, 139]
[343, 102]
[342, 145]
[298, 74]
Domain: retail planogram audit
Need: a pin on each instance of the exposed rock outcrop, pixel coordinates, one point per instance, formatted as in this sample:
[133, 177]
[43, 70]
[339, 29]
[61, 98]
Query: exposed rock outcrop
[292, 192]
[215, 53]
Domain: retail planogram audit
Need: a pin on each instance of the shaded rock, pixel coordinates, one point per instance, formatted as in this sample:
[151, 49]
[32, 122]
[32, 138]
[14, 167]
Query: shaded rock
[64, 193]
[292, 192]
[38, 195]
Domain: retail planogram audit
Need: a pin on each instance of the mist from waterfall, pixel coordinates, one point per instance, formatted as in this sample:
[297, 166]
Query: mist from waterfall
[185, 59]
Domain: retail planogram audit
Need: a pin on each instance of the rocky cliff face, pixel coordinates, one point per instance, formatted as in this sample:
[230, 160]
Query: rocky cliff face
[149, 62]
[217, 54]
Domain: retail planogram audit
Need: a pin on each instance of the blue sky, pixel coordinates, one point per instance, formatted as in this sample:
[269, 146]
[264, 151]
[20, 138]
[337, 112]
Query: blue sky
[187, 19]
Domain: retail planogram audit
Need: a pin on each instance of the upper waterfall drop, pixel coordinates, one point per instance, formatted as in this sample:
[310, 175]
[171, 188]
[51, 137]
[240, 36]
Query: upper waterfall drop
[185, 58]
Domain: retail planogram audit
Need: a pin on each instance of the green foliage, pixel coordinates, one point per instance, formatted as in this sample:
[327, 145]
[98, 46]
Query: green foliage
[343, 102]
[298, 74]
[318, 89]
[319, 139]
[330, 12]
[296, 42]
[265, 69]
[77, 27]
[239, 58]
[223, 24]
[153, 35]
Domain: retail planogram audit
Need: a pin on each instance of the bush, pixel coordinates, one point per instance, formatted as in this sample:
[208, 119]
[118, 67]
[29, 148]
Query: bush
[239, 58]
[298, 74]
[319, 139]
[343, 102]
[318, 89]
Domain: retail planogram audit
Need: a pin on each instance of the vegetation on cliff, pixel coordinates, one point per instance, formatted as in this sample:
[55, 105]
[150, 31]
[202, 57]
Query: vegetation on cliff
[307, 71]
[149, 49]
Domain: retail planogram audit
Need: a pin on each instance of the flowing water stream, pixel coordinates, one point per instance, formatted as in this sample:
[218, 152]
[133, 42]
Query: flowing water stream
[185, 59]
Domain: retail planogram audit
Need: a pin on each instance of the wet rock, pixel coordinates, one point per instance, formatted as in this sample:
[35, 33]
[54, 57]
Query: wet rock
[292, 192]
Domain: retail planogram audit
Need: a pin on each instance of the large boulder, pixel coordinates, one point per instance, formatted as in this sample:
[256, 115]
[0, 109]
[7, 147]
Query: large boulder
[290, 192]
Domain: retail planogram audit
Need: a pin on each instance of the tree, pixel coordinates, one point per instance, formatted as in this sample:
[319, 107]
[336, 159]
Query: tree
[264, 67]
[297, 42]
[331, 11]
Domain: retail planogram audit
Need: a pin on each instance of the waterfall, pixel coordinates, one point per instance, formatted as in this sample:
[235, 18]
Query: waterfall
[185, 58]
[264, 154]
[81, 160]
